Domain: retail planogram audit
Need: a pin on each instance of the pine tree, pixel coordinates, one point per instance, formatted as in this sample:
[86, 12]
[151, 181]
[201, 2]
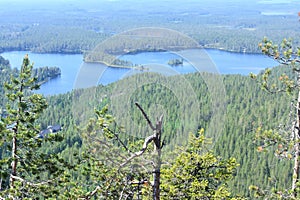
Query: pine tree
[25, 170]
[286, 137]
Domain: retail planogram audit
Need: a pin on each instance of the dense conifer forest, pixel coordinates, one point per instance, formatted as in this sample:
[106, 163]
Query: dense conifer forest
[148, 136]
[248, 107]
[78, 27]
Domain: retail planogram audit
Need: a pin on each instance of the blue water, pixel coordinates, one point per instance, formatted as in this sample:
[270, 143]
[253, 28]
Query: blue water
[69, 65]
[74, 69]
[240, 63]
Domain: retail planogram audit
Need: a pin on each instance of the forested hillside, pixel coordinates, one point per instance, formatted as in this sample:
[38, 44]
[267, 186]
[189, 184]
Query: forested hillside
[149, 136]
[247, 108]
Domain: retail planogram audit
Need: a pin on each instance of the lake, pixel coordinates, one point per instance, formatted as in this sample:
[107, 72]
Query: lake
[77, 74]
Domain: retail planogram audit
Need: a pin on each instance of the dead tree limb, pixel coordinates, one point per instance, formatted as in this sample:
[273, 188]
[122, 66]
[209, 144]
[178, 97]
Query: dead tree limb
[31, 183]
[156, 138]
[139, 153]
[145, 115]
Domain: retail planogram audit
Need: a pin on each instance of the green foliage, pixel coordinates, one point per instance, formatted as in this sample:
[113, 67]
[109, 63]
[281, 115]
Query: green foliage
[216, 25]
[36, 39]
[196, 173]
[45, 74]
[131, 42]
[247, 107]
[4, 62]
[26, 171]
[278, 81]
[175, 62]
[5, 73]
[102, 155]
[284, 140]
[287, 55]
[284, 145]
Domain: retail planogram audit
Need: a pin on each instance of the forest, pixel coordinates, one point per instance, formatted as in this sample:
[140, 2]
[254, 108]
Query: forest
[244, 97]
[77, 28]
[148, 136]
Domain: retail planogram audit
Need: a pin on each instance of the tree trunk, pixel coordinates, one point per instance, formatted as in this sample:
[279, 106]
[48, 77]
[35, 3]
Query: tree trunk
[296, 167]
[158, 147]
[14, 142]
[14, 159]
[156, 177]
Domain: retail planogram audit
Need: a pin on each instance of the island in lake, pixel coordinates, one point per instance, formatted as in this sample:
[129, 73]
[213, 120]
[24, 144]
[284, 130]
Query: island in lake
[137, 41]
[175, 62]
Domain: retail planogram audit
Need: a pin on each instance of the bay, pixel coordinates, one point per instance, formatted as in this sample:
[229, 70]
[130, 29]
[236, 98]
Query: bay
[68, 63]
[76, 73]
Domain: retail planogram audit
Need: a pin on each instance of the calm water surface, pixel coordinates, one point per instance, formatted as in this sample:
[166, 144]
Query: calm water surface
[72, 66]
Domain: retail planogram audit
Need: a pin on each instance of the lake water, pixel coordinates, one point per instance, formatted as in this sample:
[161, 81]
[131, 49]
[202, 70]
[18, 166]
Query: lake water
[77, 74]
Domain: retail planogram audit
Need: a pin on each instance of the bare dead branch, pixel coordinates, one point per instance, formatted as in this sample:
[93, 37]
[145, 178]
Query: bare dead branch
[121, 196]
[109, 146]
[91, 194]
[30, 183]
[139, 153]
[161, 118]
[156, 138]
[145, 115]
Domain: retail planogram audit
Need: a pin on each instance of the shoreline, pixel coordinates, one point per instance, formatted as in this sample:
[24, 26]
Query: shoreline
[118, 66]
[132, 53]
[140, 68]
